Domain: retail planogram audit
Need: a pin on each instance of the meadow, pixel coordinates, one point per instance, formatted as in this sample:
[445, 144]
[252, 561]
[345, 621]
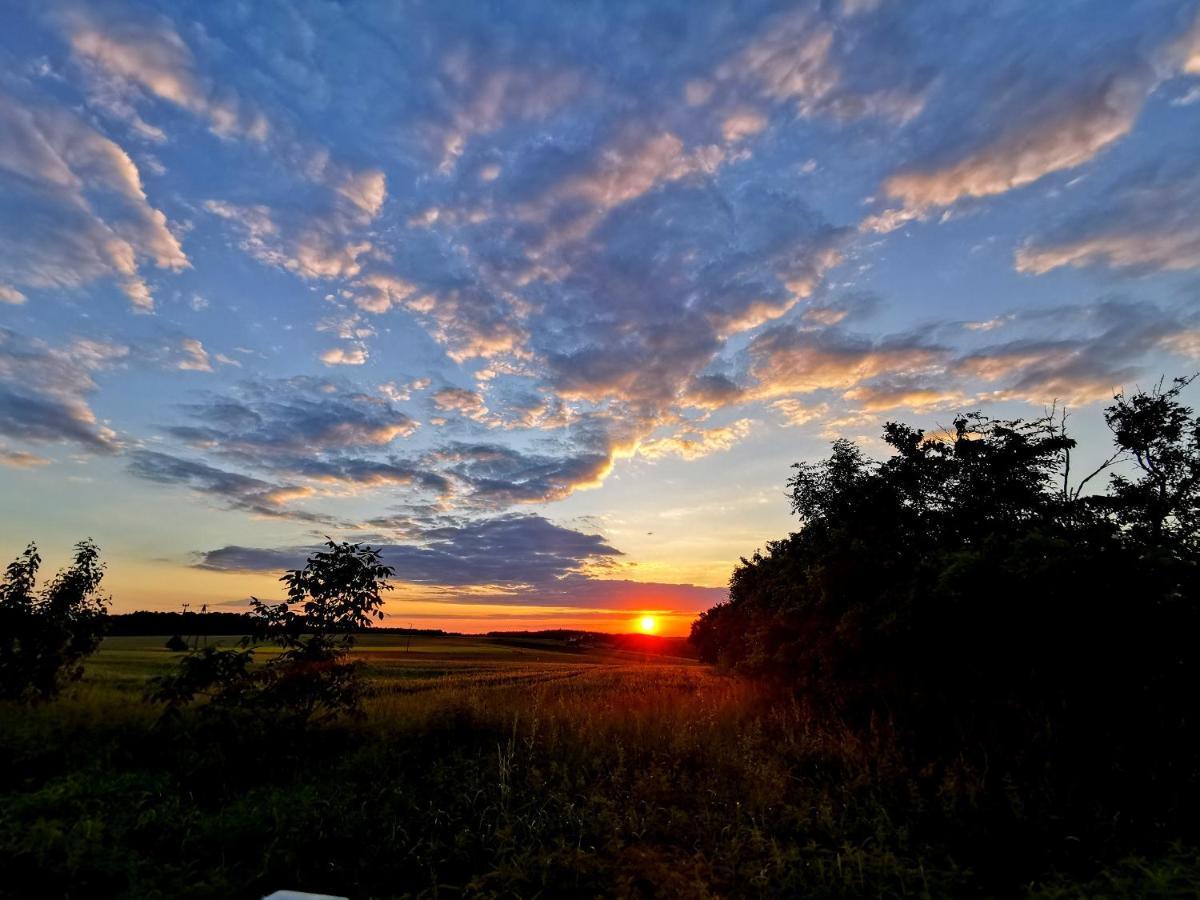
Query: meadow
[484, 768]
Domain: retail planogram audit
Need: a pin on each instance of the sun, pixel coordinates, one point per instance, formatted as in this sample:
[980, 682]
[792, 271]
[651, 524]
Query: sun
[648, 624]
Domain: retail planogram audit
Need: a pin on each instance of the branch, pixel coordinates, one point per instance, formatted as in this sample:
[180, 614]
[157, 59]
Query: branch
[1104, 465]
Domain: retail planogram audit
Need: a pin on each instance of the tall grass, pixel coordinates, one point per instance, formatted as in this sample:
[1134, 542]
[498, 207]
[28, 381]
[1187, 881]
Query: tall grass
[564, 775]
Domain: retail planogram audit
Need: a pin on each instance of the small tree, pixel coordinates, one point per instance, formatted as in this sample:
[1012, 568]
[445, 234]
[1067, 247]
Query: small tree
[45, 637]
[335, 595]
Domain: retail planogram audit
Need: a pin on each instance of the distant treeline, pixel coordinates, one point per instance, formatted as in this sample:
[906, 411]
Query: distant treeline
[638, 643]
[146, 623]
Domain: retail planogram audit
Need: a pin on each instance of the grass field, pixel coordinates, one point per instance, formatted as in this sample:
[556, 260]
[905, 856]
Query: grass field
[483, 768]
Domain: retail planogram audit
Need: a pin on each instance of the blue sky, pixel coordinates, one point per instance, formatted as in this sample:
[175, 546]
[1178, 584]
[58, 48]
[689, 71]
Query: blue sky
[545, 298]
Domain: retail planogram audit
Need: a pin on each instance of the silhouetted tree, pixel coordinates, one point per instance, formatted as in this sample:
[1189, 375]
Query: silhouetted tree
[966, 590]
[176, 644]
[1160, 503]
[335, 595]
[44, 637]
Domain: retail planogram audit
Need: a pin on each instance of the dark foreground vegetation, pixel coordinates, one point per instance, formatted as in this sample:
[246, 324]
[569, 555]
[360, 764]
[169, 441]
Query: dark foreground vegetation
[967, 675]
[485, 770]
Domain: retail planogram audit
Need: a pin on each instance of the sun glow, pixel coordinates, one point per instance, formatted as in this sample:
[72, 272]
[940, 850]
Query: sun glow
[648, 624]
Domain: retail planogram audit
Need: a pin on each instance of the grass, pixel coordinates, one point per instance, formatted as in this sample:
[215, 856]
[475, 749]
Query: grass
[485, 769]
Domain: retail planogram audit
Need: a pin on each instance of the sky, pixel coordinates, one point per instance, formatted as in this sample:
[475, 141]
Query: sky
[545, 298]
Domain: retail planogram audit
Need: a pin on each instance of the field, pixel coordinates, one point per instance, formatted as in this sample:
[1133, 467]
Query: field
[485, 768]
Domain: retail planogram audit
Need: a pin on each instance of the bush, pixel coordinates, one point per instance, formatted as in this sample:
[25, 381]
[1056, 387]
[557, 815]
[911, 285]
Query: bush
[45, 637]
[176, 644]
[336, 594]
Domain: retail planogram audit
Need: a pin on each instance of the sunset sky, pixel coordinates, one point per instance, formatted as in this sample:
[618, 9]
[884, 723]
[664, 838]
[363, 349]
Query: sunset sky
[545, 298]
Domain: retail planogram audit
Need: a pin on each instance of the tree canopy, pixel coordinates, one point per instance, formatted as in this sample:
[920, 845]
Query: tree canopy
[973, 582]
[45, 635]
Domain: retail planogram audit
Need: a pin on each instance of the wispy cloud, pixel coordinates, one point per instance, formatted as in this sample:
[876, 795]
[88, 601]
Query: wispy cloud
[72, 207]
[44, 391]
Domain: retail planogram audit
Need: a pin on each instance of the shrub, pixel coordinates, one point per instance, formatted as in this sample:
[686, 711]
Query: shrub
[335, 595]
[45, 636]
[176, 644]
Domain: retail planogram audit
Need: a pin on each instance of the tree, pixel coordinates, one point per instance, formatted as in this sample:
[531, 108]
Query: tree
[965, 586]
[1159, 504]
[44, 637]
[337, 594]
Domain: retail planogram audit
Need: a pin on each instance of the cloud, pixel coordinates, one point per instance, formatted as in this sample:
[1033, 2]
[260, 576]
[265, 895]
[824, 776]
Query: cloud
[1096, 349]
[301, 437]
[499, 560]
[329, 436]
[580, 592]
[791, 60]
[485, 95]
[1035, 125]
[144, 50]
[72, 207]
[494, 475]
[712, 391]
[912, 394]
[297, 415]
[694, 443]
[195, 357]
[234, 490]
[528, 410]
[20, 459]
[1185, 343]
[398, 393]
[129, 56]
[624, 317]
[742, 124]
[310, 245]
[645, 306]
[790, 360]
[847, 307]
[366, 190]
[470, 321]
[1148, 221]
[1068, 129]
[44, 391]
[465, 402]
[377, 292]
[796, 413]
[818, 67]
[508, 550]
[608, 236]
[633, 164]
[344, 356]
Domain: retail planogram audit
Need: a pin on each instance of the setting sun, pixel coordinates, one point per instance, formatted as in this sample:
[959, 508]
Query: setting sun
[648, 624]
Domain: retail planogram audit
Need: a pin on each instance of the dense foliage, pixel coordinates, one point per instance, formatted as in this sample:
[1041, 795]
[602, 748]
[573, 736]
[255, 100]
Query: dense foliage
[971, 591]
[44, 636]
[311, 678]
